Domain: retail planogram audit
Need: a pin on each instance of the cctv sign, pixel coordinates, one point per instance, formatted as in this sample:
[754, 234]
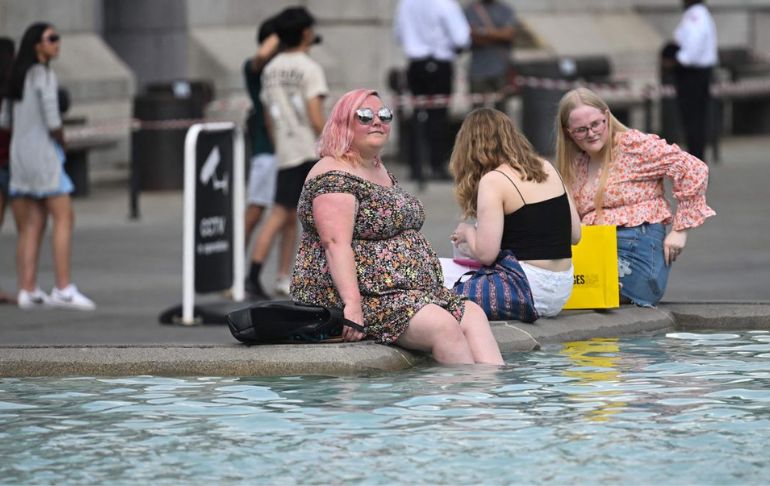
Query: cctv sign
[214, 211]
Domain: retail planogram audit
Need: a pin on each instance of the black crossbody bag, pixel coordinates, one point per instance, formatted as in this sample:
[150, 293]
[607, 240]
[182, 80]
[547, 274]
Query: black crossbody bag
[285, 321]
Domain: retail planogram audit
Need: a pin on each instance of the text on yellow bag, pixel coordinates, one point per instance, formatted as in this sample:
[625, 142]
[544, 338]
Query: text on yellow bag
[595, 260]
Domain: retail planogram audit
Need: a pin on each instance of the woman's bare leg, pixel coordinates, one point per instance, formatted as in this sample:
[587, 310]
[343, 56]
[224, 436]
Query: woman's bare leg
[60, 208]
[253, 215]
[31, 216]
[288, 244]
[479, 335]
[275, 222]
[435, 330]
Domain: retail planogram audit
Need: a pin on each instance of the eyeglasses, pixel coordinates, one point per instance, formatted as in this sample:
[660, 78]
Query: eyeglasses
[366, 115]
[580, 133]
[52, 39]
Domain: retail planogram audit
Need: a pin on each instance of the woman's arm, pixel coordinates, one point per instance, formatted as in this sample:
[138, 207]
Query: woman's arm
[576, 230]
[58, 135]
[484, 239]
[334, 216]
[673, 245]
[265, 52]
[315, 114]
[655, 158]
[46, 88]
[574, 220]
[689, 180]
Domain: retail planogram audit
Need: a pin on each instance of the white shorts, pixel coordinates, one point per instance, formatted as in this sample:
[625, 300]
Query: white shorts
[264, 168]
[551, 290]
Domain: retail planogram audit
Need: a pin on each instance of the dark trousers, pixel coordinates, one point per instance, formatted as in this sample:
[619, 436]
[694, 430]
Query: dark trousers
[430, 126]
[693, 96]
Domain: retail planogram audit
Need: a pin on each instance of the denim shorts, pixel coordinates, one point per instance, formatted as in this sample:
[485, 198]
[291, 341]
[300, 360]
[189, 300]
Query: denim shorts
[262, 180]
[641, 267]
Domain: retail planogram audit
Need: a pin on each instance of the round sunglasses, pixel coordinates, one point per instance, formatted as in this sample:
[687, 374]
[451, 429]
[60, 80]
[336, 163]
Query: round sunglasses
[366, 115]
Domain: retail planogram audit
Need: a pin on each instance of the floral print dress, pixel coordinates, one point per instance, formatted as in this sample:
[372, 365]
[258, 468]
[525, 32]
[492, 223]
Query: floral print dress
[398, 271]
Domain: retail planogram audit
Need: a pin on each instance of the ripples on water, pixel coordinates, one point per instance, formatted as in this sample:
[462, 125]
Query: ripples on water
[682, 408]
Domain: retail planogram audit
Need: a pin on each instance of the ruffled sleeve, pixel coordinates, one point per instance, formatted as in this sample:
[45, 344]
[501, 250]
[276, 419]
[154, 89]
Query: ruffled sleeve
[688, 175]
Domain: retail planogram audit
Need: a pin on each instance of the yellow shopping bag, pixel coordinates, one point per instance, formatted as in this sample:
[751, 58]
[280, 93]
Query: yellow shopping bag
[595, 260]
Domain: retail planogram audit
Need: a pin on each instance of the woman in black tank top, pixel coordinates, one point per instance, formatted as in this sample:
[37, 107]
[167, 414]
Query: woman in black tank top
[519, 203]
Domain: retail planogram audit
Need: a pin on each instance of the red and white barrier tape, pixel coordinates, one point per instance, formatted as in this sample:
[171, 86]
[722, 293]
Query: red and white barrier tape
[620, 88]
[118, 127]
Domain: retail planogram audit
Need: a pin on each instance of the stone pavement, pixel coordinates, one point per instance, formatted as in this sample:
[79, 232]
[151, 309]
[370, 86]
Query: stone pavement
[132, 270]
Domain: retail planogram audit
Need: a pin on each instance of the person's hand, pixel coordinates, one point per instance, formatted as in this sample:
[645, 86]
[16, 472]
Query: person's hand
[673, 245]
[268, 47]
[461, 233]
[353, 312]
[58, 136]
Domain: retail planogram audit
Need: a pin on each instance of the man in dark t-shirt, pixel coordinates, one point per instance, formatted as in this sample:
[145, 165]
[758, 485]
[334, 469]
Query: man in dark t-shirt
[263, 166]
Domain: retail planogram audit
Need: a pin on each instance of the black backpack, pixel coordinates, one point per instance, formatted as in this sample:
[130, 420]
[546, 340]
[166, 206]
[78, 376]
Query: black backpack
[285, 321]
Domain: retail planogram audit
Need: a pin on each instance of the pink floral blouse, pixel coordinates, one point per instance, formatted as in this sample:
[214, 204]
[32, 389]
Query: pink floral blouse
[634, 191]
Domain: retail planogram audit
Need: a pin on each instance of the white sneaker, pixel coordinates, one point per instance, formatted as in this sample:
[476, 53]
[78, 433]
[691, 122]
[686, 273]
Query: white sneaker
[70, 298]
[37, 299]
[282, 286]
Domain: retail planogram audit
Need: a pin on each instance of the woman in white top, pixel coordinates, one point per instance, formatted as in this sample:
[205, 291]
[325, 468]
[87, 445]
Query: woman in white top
[39, 183]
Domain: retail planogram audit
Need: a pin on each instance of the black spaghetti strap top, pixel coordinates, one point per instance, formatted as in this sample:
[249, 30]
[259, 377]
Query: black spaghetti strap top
[539, 231]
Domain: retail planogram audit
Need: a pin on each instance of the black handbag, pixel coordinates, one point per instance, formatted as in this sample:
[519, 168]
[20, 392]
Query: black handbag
[285, 321]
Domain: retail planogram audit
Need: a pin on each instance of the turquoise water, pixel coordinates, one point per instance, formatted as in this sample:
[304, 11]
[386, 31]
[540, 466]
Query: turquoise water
[675, 409]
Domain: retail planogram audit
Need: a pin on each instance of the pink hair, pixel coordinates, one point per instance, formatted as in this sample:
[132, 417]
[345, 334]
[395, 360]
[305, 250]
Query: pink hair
[337, 136]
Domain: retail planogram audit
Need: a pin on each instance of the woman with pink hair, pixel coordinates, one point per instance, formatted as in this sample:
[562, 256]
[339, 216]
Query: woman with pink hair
[362, 249]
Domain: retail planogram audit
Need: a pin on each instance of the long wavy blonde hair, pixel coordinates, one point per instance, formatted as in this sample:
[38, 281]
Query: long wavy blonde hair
[486, 140]
[567, 150]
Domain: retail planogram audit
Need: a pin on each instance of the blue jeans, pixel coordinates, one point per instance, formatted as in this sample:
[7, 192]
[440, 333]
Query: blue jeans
[641, 266]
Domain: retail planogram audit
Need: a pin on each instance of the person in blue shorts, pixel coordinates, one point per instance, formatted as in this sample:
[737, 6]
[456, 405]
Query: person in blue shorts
[38, 184]
[263, 164]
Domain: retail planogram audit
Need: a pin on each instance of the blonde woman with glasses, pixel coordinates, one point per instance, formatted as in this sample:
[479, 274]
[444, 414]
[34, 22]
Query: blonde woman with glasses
[616, 177]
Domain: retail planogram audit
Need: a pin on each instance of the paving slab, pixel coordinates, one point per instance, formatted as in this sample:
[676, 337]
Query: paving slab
[720, 315]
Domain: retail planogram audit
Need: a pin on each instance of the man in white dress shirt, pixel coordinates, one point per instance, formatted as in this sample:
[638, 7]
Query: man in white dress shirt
[431, 32]
[696, 36]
